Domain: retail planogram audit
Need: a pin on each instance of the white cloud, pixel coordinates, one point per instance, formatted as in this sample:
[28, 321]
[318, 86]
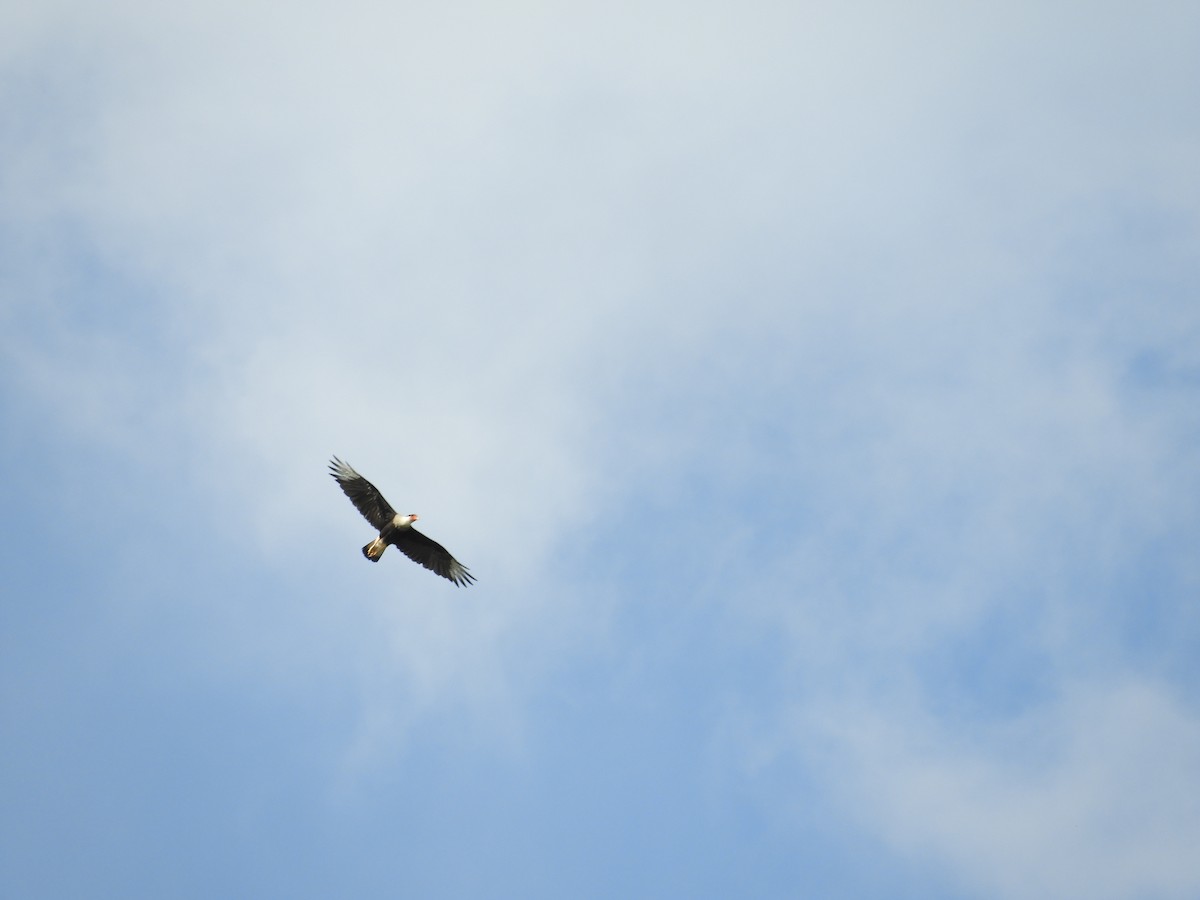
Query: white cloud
[838, 311]
[1091, 795]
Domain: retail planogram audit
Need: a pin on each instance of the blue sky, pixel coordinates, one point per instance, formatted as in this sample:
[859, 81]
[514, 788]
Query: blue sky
[814, 390]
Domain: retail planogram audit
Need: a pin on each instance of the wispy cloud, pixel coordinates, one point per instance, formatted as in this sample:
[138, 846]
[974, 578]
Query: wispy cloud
[1088, 795]
[817, 382]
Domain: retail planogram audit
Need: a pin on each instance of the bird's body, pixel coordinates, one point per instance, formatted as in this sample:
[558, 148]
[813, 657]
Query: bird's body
[395, 529]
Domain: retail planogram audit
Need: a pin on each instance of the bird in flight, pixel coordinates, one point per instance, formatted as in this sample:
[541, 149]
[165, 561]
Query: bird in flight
[396, 529]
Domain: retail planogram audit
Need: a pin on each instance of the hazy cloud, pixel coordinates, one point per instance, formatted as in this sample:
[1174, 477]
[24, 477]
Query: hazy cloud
[812, 389]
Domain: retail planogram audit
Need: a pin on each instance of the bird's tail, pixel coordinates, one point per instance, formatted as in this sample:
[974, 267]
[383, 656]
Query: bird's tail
[375, 549]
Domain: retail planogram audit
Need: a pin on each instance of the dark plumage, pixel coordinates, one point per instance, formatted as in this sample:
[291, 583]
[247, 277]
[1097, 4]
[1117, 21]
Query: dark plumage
[394, 528]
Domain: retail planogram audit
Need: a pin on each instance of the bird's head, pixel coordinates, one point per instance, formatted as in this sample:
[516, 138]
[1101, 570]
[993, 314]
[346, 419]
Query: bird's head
[412, 517]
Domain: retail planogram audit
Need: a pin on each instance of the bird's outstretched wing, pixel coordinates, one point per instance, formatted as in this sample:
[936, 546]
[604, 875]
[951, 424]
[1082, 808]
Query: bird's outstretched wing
[364, 495]
[432, 555]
